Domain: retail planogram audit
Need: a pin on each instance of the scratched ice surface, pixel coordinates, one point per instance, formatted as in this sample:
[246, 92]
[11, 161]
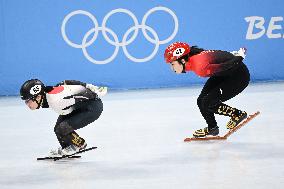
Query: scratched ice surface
[140, 144]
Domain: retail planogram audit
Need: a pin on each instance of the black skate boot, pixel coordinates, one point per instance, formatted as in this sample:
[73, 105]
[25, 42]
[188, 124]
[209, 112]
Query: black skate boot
[76, 144]
[206, 132]
[70, 144]
[237, 117]
[78, 141]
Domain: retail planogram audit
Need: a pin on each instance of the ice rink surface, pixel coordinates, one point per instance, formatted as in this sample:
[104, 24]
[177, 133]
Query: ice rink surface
[140, 144]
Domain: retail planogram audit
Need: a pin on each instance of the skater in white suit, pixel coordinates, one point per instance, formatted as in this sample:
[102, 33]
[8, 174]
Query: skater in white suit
[78, 104]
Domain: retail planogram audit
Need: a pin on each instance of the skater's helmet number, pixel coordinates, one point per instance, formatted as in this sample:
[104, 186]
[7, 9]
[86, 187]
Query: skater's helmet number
[35, 89]
[178, 51]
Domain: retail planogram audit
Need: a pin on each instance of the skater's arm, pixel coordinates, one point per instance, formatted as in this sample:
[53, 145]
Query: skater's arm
[100, 91]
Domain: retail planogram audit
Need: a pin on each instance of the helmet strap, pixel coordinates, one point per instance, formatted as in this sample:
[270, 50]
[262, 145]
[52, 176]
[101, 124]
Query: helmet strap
[39, 102]
[183, 63]
[183, 66]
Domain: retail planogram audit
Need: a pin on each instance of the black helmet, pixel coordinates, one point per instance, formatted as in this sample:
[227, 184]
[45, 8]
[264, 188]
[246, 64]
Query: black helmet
[31, 89]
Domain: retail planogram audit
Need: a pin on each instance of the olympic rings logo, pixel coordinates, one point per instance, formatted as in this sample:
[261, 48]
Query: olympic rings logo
[104, 29]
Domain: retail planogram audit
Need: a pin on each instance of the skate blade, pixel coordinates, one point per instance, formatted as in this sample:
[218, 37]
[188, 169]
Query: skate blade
[204, 138]
[230, 132]
[52, 158]
[244, 122]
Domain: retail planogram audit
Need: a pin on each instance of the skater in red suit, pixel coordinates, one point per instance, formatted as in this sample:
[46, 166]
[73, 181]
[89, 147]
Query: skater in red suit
[228, 76]
[78, 104]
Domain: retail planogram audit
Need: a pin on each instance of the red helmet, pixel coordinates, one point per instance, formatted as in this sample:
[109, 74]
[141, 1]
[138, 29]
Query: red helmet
[175, 51]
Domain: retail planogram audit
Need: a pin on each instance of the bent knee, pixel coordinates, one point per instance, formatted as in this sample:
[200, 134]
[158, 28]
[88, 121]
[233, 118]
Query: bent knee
[63, 128]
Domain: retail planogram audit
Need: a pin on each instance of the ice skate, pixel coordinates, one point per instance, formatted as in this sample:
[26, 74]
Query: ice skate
[70, 152]
[71, 149]
[236, 118]
[67, 150]
[78, 144]
[206, 132]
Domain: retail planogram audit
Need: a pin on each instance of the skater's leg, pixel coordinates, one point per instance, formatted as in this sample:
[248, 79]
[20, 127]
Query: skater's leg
[209, 96]
[234, 85]
[228, 87]
[85, 113]
[217, 90]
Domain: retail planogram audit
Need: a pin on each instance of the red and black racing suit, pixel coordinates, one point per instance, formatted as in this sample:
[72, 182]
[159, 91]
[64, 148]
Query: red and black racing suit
[228, 76]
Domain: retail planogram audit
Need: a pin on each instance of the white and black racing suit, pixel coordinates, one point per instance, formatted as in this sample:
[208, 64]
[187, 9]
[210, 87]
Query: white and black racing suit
[77, 105]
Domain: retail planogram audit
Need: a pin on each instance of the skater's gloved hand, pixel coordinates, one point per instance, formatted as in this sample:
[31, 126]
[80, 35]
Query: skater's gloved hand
[234, 53]
[241, 52]
[100, 91]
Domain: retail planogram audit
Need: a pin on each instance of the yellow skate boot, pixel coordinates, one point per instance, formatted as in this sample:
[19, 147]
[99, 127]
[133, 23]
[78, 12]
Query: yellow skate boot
[200, 133]
[236, 118]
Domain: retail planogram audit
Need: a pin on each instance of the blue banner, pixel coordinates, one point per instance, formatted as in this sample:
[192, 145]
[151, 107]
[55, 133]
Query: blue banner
[121, 44]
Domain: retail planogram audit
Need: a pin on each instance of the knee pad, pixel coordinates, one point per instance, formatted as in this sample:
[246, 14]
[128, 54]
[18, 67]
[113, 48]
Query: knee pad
[63, 129]
[200, 102]
[205, 103]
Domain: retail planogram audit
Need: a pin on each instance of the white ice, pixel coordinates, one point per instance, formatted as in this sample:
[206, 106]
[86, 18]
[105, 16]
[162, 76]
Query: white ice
[140, 144]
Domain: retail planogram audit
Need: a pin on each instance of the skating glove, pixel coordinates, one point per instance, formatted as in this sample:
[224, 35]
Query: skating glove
[241, 52]
[100, 91]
